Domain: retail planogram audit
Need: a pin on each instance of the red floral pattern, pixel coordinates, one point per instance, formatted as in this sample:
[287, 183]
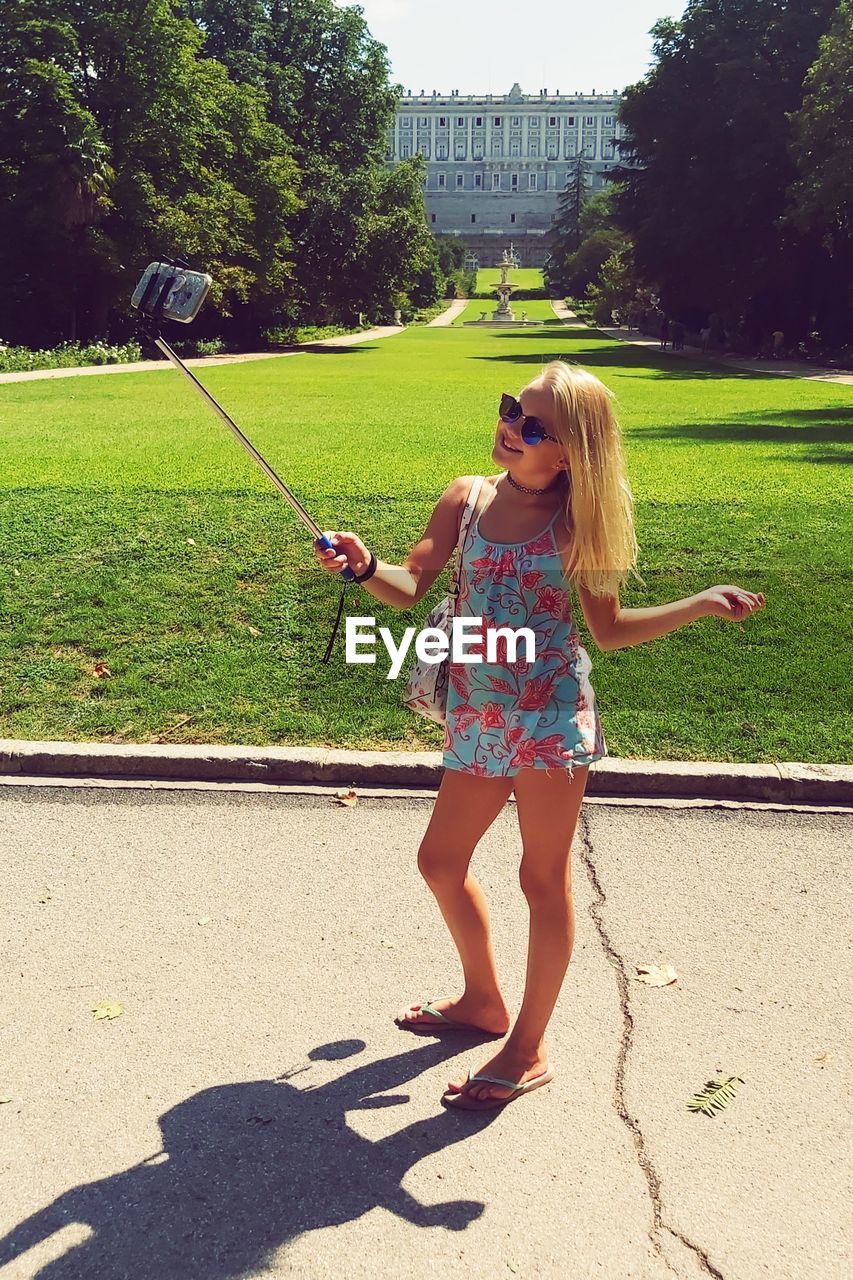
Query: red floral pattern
[509, 715]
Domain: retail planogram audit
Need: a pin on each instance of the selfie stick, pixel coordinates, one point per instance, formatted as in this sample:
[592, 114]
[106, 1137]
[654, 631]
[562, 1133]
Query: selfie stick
[149, 323]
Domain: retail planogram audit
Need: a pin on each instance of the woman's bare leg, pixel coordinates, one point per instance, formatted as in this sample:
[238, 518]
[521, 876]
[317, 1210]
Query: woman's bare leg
[549, 805]
[466, 806]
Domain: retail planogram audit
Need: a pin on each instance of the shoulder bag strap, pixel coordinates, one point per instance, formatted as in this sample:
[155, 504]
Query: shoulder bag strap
[467, 517]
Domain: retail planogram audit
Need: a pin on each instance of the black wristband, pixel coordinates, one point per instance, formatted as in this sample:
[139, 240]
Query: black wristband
[369, 571]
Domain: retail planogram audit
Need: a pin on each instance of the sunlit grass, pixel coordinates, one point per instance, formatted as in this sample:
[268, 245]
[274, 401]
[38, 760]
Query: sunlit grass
[137, 533]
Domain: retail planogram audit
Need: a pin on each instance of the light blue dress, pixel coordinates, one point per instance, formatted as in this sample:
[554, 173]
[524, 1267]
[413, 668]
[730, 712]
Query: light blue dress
[508, 715]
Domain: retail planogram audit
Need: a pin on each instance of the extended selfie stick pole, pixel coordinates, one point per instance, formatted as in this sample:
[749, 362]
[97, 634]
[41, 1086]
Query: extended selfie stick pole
[150, 315]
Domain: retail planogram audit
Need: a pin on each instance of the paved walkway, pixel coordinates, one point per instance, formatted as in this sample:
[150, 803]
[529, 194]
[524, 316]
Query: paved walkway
[562, 312]
[255, 1111]
[146, 366]
[447, 317]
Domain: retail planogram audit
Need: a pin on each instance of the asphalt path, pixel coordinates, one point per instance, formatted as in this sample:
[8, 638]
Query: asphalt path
[254, 1110]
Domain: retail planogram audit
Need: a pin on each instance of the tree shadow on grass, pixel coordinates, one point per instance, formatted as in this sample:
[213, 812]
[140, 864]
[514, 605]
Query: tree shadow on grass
[786, 426]
[247, 1167]
[617, 357]
[317, 350]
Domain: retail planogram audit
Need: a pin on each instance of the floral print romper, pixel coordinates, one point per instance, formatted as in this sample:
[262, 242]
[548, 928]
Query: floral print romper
[506, 716]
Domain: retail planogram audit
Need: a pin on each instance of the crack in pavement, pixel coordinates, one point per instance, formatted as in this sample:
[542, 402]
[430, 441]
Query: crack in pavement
[632, 1123]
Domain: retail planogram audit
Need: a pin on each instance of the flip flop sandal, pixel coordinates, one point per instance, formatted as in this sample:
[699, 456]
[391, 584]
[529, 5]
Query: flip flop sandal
[464, 1102]
[446, 1024]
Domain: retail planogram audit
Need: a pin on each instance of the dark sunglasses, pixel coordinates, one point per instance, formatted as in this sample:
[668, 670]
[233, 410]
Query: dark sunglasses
[532, 431]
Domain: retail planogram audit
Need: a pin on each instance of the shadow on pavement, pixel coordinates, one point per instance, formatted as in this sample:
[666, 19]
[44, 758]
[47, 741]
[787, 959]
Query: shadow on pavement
[247, 1167]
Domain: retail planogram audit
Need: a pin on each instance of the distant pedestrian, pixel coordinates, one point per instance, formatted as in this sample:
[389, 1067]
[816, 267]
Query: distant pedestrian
[664, 331]
[677, 335]
[778, 338]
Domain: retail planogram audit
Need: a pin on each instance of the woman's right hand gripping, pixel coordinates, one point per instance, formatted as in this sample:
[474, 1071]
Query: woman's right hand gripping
[350, 550]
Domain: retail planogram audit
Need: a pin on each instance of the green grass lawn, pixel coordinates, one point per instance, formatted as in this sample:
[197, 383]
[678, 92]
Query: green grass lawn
[524, 277]
[538, 309]
[138, 534]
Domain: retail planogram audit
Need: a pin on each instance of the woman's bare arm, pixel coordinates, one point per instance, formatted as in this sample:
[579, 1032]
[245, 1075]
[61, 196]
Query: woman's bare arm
[402, 586]
[613, 627]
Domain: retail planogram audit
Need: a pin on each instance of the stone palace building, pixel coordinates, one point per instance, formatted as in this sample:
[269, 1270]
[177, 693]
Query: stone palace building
[497, 164]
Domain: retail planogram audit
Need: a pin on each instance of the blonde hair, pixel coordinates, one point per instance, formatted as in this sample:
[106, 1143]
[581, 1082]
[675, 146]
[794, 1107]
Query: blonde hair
[599, 503]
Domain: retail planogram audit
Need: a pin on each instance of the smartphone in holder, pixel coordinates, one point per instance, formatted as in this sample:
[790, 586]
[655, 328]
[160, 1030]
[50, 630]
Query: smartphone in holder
[171, 291]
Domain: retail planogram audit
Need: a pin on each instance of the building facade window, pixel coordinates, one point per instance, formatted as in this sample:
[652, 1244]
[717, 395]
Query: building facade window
[473, 217]
[570, 122]
[498, 121]
[460, 122]
[552, 120]
[590, 120]
[460, 180]
[496, 182]
[513, 182]
[405, 150]
[552, 150]
[442, 181]
[515, 148]
[608, 119]
[432, 217]
[460, 151]
[442, 122]
[478, 122]
[497, 147]
[477, 151]
[478, 179]
[440, 151]
[531, 181]
[515, 121]
[512, 217]
[533, 149]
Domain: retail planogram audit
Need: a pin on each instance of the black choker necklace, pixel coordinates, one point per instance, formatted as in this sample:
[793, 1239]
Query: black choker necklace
[524, 489]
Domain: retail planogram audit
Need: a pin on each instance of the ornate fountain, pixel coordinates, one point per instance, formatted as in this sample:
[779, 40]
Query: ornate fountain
[504, 313]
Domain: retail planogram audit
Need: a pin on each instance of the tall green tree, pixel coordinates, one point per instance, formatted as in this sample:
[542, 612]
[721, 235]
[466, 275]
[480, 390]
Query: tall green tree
[119, 141]
[822, 195]
[566, 233]
[707, 175]
[327, 83]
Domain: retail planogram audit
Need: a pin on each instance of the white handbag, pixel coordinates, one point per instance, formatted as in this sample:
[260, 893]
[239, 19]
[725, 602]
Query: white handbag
[426, 684]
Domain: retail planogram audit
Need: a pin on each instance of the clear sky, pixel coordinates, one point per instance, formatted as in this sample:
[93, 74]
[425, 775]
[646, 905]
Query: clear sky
[483, 46]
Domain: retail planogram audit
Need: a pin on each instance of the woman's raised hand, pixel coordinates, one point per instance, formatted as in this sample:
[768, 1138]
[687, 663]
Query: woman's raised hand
[350, 551]
[734, 603]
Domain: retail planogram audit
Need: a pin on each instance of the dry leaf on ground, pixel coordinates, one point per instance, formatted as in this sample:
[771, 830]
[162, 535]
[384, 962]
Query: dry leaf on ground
[654, 975]
[825, 1057]
[107, 1009]
[101, 670]
[347, 798]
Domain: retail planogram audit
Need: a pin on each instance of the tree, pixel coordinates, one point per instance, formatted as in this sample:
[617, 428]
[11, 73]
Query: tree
[821, 198]
[566, 233]
[327, 84]
[120, 142]
[706, 178]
